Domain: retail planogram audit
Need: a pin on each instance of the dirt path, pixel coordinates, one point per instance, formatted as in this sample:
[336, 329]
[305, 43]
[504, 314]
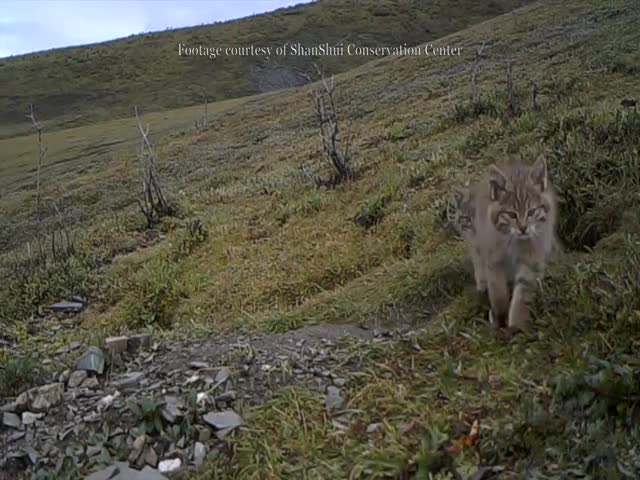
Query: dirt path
[168, 401]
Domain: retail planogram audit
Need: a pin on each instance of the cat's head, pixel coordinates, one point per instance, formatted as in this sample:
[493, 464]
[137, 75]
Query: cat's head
[521, 201]
[461, 210]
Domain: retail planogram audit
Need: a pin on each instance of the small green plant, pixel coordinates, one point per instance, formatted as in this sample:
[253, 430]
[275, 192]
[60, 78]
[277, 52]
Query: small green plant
[406, 237]
[311, 203]
[18, 374]
[467, 111]
[152, 294]
[147, 412]
[372, 212]
[195, 233]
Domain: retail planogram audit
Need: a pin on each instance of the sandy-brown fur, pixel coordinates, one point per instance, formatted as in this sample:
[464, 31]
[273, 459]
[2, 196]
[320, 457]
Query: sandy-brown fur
[514, 224]
[463, 220]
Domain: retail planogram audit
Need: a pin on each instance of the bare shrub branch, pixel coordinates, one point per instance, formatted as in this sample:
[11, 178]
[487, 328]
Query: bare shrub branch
[154, 204]
[511, 107]
[337, 154]
[205, 115]
[475, 69]
[42, 150]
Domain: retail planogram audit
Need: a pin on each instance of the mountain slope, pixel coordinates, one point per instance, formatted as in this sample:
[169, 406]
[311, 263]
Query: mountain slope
[275, 253]
[74, 86]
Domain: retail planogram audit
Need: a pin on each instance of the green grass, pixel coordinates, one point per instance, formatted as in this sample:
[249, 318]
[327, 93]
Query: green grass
[278, 253]
[102, 81]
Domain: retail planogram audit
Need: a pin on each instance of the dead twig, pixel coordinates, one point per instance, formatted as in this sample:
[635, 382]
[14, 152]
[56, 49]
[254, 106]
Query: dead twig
[337, 154]
[154, 204]
[475, 69]
[42, 150]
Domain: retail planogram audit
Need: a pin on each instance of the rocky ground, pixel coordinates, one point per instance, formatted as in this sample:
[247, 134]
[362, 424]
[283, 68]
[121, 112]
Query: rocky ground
[139, 408]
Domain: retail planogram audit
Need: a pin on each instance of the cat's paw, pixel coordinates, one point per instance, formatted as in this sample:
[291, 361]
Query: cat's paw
[519, 318]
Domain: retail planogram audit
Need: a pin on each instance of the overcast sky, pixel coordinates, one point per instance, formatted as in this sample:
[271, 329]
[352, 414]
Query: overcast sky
[33, 25]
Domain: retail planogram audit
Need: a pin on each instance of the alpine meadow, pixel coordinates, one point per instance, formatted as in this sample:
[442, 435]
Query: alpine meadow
[263, 267]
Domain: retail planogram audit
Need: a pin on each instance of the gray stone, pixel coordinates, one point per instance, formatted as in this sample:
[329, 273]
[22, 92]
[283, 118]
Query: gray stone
[333, 400]
[68, 348]
[29, 418]
[138, 446]
[11, 420]
[116, 344]
[15, 436]
[122, 471]
[64, 376]
[66, 307]
[227, 419]
[27, 453]
[199, 365]
[151, 457]
[9, 407]
[128, 380]
[148, 473]
[199, 453]
[204, 434]
[137, 342]
[339, 382]
[40, 399]
[77, 378]
[171, 409]
[92, 360]
[90, 383]
[109, 472]
[223, 375]
[93, 450]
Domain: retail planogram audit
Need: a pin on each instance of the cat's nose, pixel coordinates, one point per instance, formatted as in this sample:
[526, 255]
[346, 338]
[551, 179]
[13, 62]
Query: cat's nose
[523, 228]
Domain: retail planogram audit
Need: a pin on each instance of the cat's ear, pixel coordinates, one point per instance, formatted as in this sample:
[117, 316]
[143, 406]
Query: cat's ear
[538, 174]
[497, 183]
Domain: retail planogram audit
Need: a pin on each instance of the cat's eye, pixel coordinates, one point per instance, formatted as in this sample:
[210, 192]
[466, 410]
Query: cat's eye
[511, 214]
[532, 212]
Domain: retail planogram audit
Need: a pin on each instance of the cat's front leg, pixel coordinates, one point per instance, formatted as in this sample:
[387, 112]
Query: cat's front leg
[498, 296]
[479, 270]
[519, 311]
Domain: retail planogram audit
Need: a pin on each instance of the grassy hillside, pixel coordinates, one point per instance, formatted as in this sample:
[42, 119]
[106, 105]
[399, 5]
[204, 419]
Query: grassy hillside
[277, 253]
[75, 86]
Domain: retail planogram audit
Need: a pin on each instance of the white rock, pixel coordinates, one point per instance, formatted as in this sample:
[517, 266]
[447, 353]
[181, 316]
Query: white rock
[105, 402]
[29, 418]
[168, 466]
[374, 427]
[333, 400]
